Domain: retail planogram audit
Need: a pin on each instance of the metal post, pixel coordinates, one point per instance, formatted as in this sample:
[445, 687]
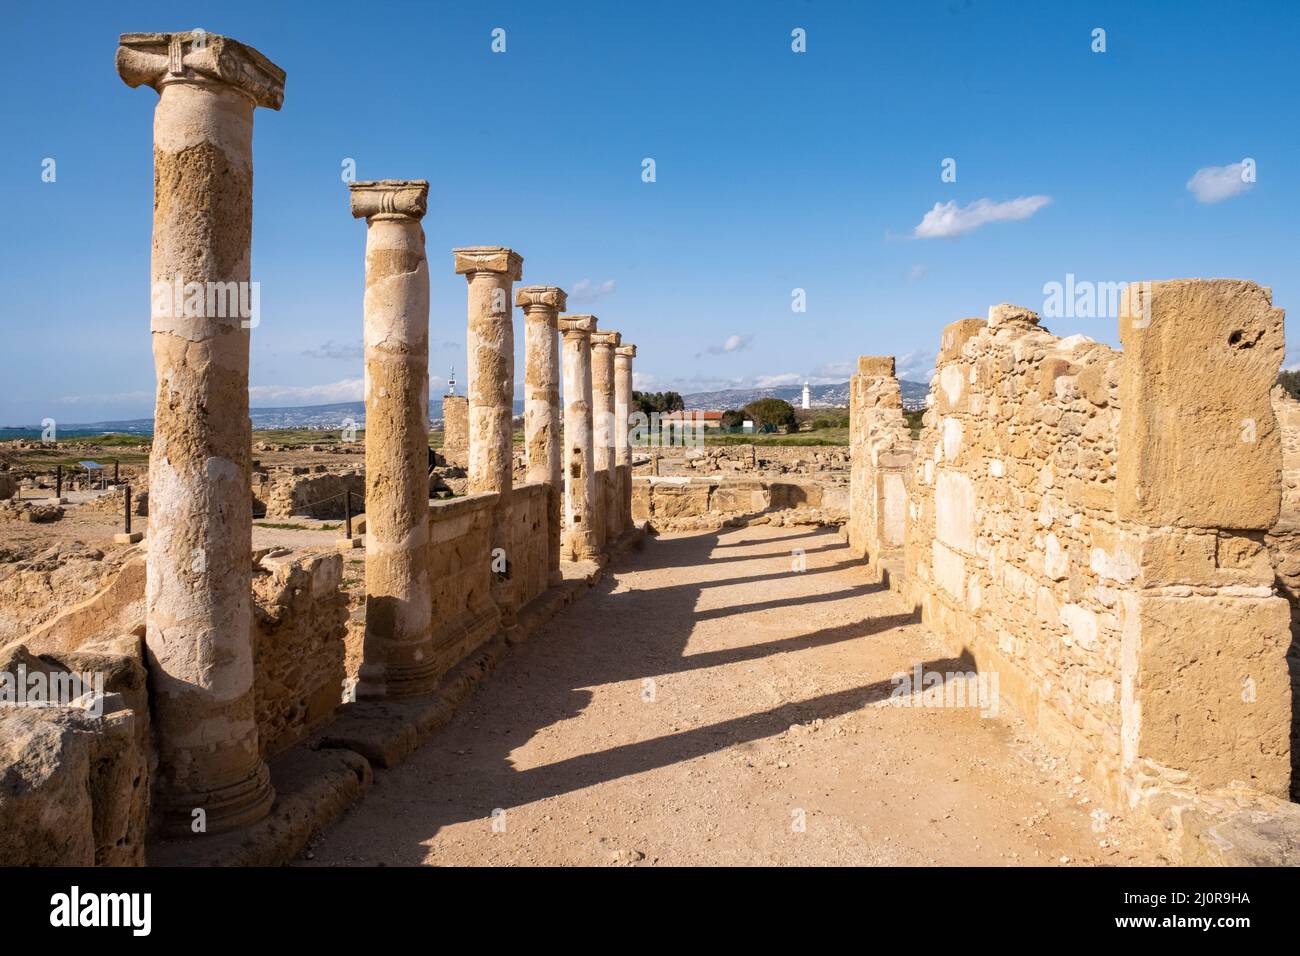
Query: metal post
[58, 481]
[347, 511]
[126, 506]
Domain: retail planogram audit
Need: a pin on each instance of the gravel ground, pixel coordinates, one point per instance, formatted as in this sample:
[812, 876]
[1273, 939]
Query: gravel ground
[709, 704]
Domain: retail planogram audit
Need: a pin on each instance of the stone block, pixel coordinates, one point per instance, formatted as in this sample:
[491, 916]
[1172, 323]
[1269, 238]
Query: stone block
[1210, 694]
[1200, 359]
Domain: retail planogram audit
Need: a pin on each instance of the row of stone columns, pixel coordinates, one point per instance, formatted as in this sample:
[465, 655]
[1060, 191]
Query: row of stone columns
[211, 775]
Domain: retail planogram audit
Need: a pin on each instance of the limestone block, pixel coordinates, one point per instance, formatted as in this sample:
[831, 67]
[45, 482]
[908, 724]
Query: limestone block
[1210, 692]
[956, 335]
[1200, 358]
[949, 571]
[954, 510]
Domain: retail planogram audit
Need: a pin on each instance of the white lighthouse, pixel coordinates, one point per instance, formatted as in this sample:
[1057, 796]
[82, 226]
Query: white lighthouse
[807, 396]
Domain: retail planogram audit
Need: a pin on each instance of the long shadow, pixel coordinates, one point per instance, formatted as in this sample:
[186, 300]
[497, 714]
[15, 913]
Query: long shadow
[615, 636]
[764, 555]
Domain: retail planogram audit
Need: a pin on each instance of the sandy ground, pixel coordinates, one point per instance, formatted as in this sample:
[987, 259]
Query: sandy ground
[710, 705]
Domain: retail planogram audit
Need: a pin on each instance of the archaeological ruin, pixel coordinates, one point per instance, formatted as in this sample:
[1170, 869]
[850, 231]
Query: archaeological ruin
[1113, 533]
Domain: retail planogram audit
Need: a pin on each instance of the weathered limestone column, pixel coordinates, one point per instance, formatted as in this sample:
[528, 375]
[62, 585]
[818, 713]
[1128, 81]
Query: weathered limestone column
[397, 656]
[603, 345]
[455, 429]
[1206, 694]
[542, 305]
[490, 271]
[198, 593]
[580, 542]
[623, 356]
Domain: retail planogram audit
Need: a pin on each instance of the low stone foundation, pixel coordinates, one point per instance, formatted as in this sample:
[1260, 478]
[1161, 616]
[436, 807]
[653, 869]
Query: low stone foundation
[686, 504]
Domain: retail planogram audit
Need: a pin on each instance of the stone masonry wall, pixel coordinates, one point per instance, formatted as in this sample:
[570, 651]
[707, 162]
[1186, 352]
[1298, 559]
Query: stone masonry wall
[528, 552]
[300, 624]
[1284, 549]
[460, 576]
[681, 504]
[880, 455]
[1068, 527]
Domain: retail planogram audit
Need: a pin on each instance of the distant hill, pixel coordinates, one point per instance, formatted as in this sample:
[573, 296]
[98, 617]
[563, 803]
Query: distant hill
[327, 417]
[820, 396]
[323, 417]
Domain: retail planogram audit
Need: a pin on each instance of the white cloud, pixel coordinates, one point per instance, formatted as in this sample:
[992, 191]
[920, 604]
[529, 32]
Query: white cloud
[947, 220]
[344, 390]
[916, 366]
[733, 343]
[584, 290]
[1217, 183]
[916, 273]
[776, 381]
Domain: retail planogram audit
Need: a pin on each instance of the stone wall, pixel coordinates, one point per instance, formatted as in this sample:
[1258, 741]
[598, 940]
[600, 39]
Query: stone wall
[300, 624]
[1070, 526]
[460, 576]
[76, 783]
[683, 504]
[321, 495]
[1284, 548]
[528, 552]
[827, 461]
[880, 456]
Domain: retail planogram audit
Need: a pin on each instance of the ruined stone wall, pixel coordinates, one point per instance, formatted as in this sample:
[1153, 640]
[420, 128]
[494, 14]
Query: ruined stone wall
[1070, 526]
[1284, 549]
[880, 456]
[806, 460]
[681, 504]
[300, 624]
[528, 556]
[284, 494]
[76, 783]
[460, 576]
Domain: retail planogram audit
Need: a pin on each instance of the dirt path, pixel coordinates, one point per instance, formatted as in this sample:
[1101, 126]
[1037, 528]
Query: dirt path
[700, 706]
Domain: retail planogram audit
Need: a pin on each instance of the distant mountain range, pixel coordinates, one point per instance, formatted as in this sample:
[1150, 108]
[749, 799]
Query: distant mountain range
[322, 417]
[329, 417]
[820, 396]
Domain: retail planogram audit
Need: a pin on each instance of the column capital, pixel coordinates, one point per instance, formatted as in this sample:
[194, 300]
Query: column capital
[389, 198]
[156, 59]
[625, 351]
[607, 339]
[474, 259]
[577, 323]
[541, 297]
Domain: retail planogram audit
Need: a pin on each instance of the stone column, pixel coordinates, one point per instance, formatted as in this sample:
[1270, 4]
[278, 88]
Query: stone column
[490, 271]
[623, 356]
[542, 306]
[198, 593]
[579, 479]
[455, 430]
[397, 657]
[603, 345]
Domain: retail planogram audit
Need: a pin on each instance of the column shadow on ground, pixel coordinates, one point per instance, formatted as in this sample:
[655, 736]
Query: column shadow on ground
[613, 636]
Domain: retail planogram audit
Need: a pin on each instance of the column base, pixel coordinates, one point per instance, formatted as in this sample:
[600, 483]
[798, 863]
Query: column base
[236, 805]
[387, 681]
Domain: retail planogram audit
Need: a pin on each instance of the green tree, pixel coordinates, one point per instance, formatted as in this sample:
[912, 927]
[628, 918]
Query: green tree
[1291, 382]
[662, 402]
[732, 418]
[775, 412]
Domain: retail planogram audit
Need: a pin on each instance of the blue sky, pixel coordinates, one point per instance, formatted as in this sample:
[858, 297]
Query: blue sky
[775, 171]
